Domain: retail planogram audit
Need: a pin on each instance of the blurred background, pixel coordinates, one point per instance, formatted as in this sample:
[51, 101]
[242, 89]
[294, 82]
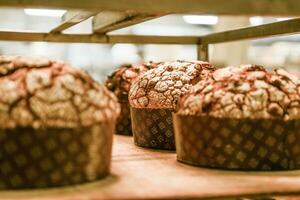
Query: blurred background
[101, 59]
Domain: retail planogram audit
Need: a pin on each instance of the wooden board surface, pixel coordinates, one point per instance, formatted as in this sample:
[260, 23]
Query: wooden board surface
[139, 173]
[232, 7]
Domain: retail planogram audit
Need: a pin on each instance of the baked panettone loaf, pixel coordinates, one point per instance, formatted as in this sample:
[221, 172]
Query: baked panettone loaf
[245, 92]
[154, 96]
[119, 83]
[244, 118]
[56, 124]
[121, 79]
[161, 87]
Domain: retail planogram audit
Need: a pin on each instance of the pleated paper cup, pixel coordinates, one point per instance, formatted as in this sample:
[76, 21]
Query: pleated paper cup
[237, 144]
[293, 146]
[153, 128]
[124, 120]
[51, 157]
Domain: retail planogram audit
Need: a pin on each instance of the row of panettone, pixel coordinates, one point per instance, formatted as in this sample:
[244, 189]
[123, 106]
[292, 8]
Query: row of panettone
[57, 123]
[231, 118]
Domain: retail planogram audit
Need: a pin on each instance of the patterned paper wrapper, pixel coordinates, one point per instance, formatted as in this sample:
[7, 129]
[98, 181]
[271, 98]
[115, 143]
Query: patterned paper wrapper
[38, 158]
[153, 128]
[238, 144]
[124, 120]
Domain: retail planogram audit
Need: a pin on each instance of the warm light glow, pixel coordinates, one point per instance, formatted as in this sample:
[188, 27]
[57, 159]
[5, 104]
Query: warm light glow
[201, 19]
[44, 12]
[283, 18]
[257, 20]
[254, 21]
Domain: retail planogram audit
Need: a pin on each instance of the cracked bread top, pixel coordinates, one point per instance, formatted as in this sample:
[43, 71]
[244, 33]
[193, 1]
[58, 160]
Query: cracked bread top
[247, 91]
[48, 93]
[121, 79]
[161, 87]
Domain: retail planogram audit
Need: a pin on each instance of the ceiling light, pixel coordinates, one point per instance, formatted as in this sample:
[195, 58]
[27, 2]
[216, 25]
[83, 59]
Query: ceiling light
[201, 19]
[45, 12]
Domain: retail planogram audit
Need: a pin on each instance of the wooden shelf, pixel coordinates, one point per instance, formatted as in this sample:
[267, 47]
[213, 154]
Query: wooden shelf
[112, 15]
[139, 173]
[95, 38]
[229, 7]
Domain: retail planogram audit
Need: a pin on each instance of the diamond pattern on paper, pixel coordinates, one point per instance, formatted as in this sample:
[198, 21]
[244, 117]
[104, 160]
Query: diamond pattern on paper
[35, 158]
[124, 121]
[242, 144]
[153, 128]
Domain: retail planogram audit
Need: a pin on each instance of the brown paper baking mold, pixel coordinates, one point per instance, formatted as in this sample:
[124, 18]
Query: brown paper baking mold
[37, 158]
[238, 144]
[124, 120]
[153, 128]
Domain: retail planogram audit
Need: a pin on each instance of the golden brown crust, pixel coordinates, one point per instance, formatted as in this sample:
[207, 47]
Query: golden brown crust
[162, 86]
[245, 92]
[48, 93]
[121, 79]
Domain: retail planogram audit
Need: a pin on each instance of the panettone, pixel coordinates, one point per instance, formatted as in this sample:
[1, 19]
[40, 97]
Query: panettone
[245, 92]
[244, 118]
[119, 83]
[154, 96]
[120, 80]
[161, 87]
[56, 121]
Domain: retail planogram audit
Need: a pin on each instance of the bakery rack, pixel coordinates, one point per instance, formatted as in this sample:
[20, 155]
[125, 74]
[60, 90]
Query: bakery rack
[147, 174]
[110, 15]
